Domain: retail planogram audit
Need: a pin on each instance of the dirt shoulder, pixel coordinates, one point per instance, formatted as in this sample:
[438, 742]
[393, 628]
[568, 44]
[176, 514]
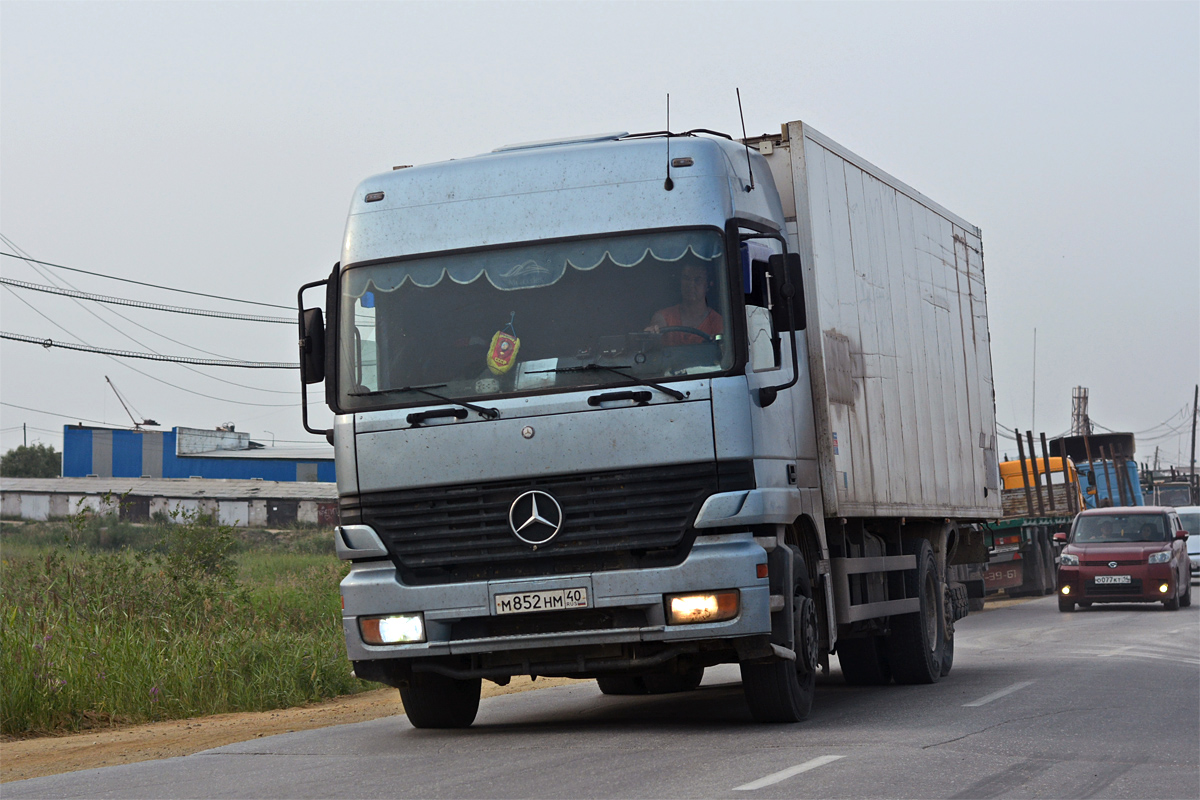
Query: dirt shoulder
[52, 755]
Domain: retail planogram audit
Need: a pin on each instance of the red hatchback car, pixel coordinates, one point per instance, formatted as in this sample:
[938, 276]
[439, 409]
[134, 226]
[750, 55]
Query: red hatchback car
[1132, 554]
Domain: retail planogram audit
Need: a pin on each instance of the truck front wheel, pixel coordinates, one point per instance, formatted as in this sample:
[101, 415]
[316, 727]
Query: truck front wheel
[917, 643]
[436, 701]
[781, 690]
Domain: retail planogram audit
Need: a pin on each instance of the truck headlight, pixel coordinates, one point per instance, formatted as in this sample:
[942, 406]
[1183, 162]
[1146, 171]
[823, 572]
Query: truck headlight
[392, 629]
[686, 609]
[1068, 560]
[1161, 557]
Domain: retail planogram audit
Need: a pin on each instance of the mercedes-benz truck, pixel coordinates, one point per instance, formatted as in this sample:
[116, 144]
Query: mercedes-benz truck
[628, 406]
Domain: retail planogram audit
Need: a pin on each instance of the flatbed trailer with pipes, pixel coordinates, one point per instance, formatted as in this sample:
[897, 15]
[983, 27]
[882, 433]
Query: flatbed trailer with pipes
[1038, 500]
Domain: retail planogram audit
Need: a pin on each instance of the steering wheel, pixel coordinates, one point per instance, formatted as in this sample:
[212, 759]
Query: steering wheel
[685, 329]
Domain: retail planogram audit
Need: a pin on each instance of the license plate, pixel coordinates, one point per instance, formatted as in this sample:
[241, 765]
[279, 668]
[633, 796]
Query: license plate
[1112, 579]
[545, 600]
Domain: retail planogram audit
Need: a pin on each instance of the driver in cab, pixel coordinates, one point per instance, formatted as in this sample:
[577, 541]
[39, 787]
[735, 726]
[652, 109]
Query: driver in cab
[692, 312]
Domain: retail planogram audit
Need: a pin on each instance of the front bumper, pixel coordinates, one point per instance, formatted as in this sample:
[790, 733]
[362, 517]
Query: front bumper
[461, 619]
[1143, 586]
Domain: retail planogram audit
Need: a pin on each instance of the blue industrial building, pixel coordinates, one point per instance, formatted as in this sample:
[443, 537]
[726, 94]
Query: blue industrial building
[187, 453]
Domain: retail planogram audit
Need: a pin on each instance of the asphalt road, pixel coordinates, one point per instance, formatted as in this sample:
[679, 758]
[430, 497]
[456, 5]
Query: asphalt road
[1098, 703]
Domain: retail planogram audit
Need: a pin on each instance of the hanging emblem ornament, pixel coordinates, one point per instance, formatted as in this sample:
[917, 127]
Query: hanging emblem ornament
[503, 351]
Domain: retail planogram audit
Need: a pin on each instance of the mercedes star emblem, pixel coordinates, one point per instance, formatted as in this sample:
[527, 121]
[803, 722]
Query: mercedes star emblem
[535, 517]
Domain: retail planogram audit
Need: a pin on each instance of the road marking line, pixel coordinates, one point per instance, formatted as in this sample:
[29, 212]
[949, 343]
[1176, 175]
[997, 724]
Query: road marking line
[997, 695]
[783, 775]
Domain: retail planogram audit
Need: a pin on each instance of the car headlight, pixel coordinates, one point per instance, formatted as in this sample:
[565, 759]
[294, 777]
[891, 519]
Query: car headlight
[1068, 560]
[1161, 557]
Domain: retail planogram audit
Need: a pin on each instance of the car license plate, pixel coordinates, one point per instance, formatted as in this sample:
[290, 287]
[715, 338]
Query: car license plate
[1112, 579]
[546, 600]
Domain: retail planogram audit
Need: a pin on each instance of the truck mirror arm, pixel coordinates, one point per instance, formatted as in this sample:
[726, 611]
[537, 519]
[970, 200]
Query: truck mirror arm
[767, 394]
[312, 355]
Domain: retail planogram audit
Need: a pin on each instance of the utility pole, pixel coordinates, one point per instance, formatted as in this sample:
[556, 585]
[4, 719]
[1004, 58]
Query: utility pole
[1192, 476]
[1033, 412]
[25, 435]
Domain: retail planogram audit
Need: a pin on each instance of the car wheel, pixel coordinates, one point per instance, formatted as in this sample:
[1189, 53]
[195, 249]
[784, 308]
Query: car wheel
[1065, 605]
[1186, 600]
[1173, 603]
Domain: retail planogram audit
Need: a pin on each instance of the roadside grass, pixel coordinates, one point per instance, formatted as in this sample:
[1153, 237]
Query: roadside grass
[104, 623]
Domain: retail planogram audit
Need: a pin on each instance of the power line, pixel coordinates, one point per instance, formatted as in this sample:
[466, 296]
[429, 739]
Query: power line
[207, 362]
[162, 335]
[139, 283]
[121, 301]
[52, 414]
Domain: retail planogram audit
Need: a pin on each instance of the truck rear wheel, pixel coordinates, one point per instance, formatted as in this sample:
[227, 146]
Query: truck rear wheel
[781, 690]
[436, 701]
[864, 661]
[917, 643]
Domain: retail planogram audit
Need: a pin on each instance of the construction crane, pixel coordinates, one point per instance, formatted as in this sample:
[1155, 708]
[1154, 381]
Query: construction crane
[137, 426]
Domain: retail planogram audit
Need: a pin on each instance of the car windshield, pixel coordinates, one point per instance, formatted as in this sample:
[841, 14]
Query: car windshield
[534, 318]
[1121, 528]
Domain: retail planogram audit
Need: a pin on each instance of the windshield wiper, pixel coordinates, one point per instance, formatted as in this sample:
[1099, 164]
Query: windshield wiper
[486, 413]
[616, 371]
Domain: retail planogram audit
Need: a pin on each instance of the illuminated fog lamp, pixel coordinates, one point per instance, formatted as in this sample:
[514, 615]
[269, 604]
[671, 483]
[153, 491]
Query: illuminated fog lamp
[1164, 588]
[688, 609]
[1066, 589]
[392, 629]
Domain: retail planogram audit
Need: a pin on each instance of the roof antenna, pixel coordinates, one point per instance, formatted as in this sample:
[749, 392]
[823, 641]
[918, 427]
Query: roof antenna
[749, 188]
[668, 184]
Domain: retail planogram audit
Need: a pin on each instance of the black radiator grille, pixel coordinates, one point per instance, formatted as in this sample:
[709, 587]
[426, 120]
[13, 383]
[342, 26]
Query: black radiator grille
[611, 520]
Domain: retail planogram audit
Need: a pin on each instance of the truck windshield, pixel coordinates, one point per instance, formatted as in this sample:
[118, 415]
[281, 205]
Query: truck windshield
[514, 320]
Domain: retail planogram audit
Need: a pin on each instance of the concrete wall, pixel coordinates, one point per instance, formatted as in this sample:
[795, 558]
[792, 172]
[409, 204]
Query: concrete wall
[261, 513]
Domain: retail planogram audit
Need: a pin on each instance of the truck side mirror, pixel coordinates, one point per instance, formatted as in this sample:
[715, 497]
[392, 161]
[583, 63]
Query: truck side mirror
[312, 346]
[790, 284]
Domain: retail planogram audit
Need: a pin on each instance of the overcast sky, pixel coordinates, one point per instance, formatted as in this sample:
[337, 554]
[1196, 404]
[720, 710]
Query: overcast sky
[214, 147]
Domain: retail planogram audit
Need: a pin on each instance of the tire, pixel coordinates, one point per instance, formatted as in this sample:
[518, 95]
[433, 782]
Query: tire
[621, 684]
[1173, 603]
[948, 629]
[777, 692]
[436, 701]
[1065, 605]
[1186, 600]
[948, 656]
[672, 682]
[781, 690]
[917, 642]
[864, 661]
